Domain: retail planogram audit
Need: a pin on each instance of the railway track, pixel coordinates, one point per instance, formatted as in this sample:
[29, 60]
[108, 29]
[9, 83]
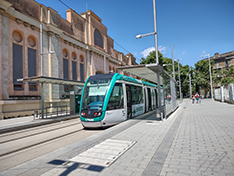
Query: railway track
[20, 146]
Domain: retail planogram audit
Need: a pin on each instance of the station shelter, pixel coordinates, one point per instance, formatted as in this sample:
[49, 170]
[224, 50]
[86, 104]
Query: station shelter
[58, 96]
[169, 89]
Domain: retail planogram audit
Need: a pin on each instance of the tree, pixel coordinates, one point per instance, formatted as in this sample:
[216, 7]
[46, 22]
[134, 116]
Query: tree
[223, 77]
[202, 74]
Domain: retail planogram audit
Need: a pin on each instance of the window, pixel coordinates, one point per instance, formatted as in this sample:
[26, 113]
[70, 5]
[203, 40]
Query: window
[65, 68]
[74, 73]
[137, 95]
[17, 66]
[81, 72]
[116, 99]
[140, 95]
[32, 68]
[81, 68]
[74, 69]
[98, 38]
[226, 63]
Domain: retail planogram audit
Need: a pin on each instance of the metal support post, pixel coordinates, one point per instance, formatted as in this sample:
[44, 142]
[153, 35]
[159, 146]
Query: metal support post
[173, 67]
[159, 97]
[155, 33]
[179, 79]
[190, 85]
[211, 86]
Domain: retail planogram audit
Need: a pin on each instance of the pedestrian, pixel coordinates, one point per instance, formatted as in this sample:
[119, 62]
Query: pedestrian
[197, 97]
[193, 98]
[200, 97]
[169, 98]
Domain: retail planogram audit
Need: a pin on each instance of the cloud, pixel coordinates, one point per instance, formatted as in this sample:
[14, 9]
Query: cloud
[162, 49]
[146, 52]
[183, 53]
[135, 53]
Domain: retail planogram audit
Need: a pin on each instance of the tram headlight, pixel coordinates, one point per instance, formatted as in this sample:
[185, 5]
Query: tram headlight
[97, 114]
[82, 113]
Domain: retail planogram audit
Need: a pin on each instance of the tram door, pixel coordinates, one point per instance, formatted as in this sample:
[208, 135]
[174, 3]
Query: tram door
[149, 99]
[129, 101]
[156, 96]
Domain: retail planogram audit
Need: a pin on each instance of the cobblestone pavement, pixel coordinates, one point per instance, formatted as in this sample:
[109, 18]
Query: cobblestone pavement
[204, 142]
[197, 139]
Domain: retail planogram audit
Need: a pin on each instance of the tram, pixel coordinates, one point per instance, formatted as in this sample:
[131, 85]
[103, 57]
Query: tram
[109, 99]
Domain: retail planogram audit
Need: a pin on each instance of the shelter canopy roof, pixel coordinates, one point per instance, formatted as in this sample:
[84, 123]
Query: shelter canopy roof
[147, 71]
[52, 80]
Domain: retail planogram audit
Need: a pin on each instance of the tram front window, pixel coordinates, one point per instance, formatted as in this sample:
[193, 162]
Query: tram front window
[94, 94]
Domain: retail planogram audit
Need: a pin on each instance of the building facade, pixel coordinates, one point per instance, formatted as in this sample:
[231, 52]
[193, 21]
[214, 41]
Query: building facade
[221, 62]
[72, 49]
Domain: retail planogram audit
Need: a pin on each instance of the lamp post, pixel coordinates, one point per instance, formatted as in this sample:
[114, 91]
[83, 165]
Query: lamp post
[156, 55]
[190, 85]
[179, 78]
[211, 89]
[172, 57]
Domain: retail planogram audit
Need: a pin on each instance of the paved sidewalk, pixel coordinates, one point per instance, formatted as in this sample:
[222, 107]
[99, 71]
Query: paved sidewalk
[198, 139]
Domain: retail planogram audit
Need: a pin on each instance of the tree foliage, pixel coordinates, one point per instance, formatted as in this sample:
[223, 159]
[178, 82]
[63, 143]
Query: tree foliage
[184, 70]
[202, 74]
[224, 76]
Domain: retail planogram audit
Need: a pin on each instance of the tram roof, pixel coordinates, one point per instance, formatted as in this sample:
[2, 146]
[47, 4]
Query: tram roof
[52, 80]
[146, 71]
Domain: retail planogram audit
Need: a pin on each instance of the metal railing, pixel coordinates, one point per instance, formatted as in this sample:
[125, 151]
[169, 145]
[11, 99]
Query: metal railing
[59, 111]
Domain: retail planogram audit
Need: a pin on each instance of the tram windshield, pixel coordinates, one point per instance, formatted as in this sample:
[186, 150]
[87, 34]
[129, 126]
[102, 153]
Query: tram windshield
[94, 93]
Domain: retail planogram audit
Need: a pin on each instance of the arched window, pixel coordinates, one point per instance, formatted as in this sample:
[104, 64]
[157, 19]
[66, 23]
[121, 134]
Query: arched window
[81, 68]
[98, 38]
[17, 59]
[32, 61]
[74, 70]
[65, 64]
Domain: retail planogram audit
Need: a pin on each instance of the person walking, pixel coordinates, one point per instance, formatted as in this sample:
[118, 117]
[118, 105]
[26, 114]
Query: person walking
[197, 97]
[193, 98]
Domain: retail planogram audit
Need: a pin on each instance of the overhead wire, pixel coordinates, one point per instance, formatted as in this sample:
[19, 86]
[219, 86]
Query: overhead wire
[95, 27]
[85, 20]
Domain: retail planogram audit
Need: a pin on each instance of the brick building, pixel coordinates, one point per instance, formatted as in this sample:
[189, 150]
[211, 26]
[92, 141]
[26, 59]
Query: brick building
[80, 44]
[222, 61]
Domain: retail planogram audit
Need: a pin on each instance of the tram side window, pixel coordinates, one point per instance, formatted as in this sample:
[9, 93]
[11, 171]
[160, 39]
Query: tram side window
[116, 100]
[134, 95]
[137, 95]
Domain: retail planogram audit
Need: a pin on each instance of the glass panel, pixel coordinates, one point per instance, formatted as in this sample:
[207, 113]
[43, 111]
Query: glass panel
[94, 94]
[116, 98]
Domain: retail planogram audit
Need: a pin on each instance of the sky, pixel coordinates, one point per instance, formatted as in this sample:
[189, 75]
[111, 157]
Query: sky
[194, 27]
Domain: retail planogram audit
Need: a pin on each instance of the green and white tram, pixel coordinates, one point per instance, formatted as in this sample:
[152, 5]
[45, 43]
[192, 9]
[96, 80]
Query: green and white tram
[109, 99]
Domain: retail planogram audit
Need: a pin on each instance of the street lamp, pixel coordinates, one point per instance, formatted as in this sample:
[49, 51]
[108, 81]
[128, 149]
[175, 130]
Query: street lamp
[211, 89]
[179, 77]
[190, 84]
[156, 55]
[152, 33]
